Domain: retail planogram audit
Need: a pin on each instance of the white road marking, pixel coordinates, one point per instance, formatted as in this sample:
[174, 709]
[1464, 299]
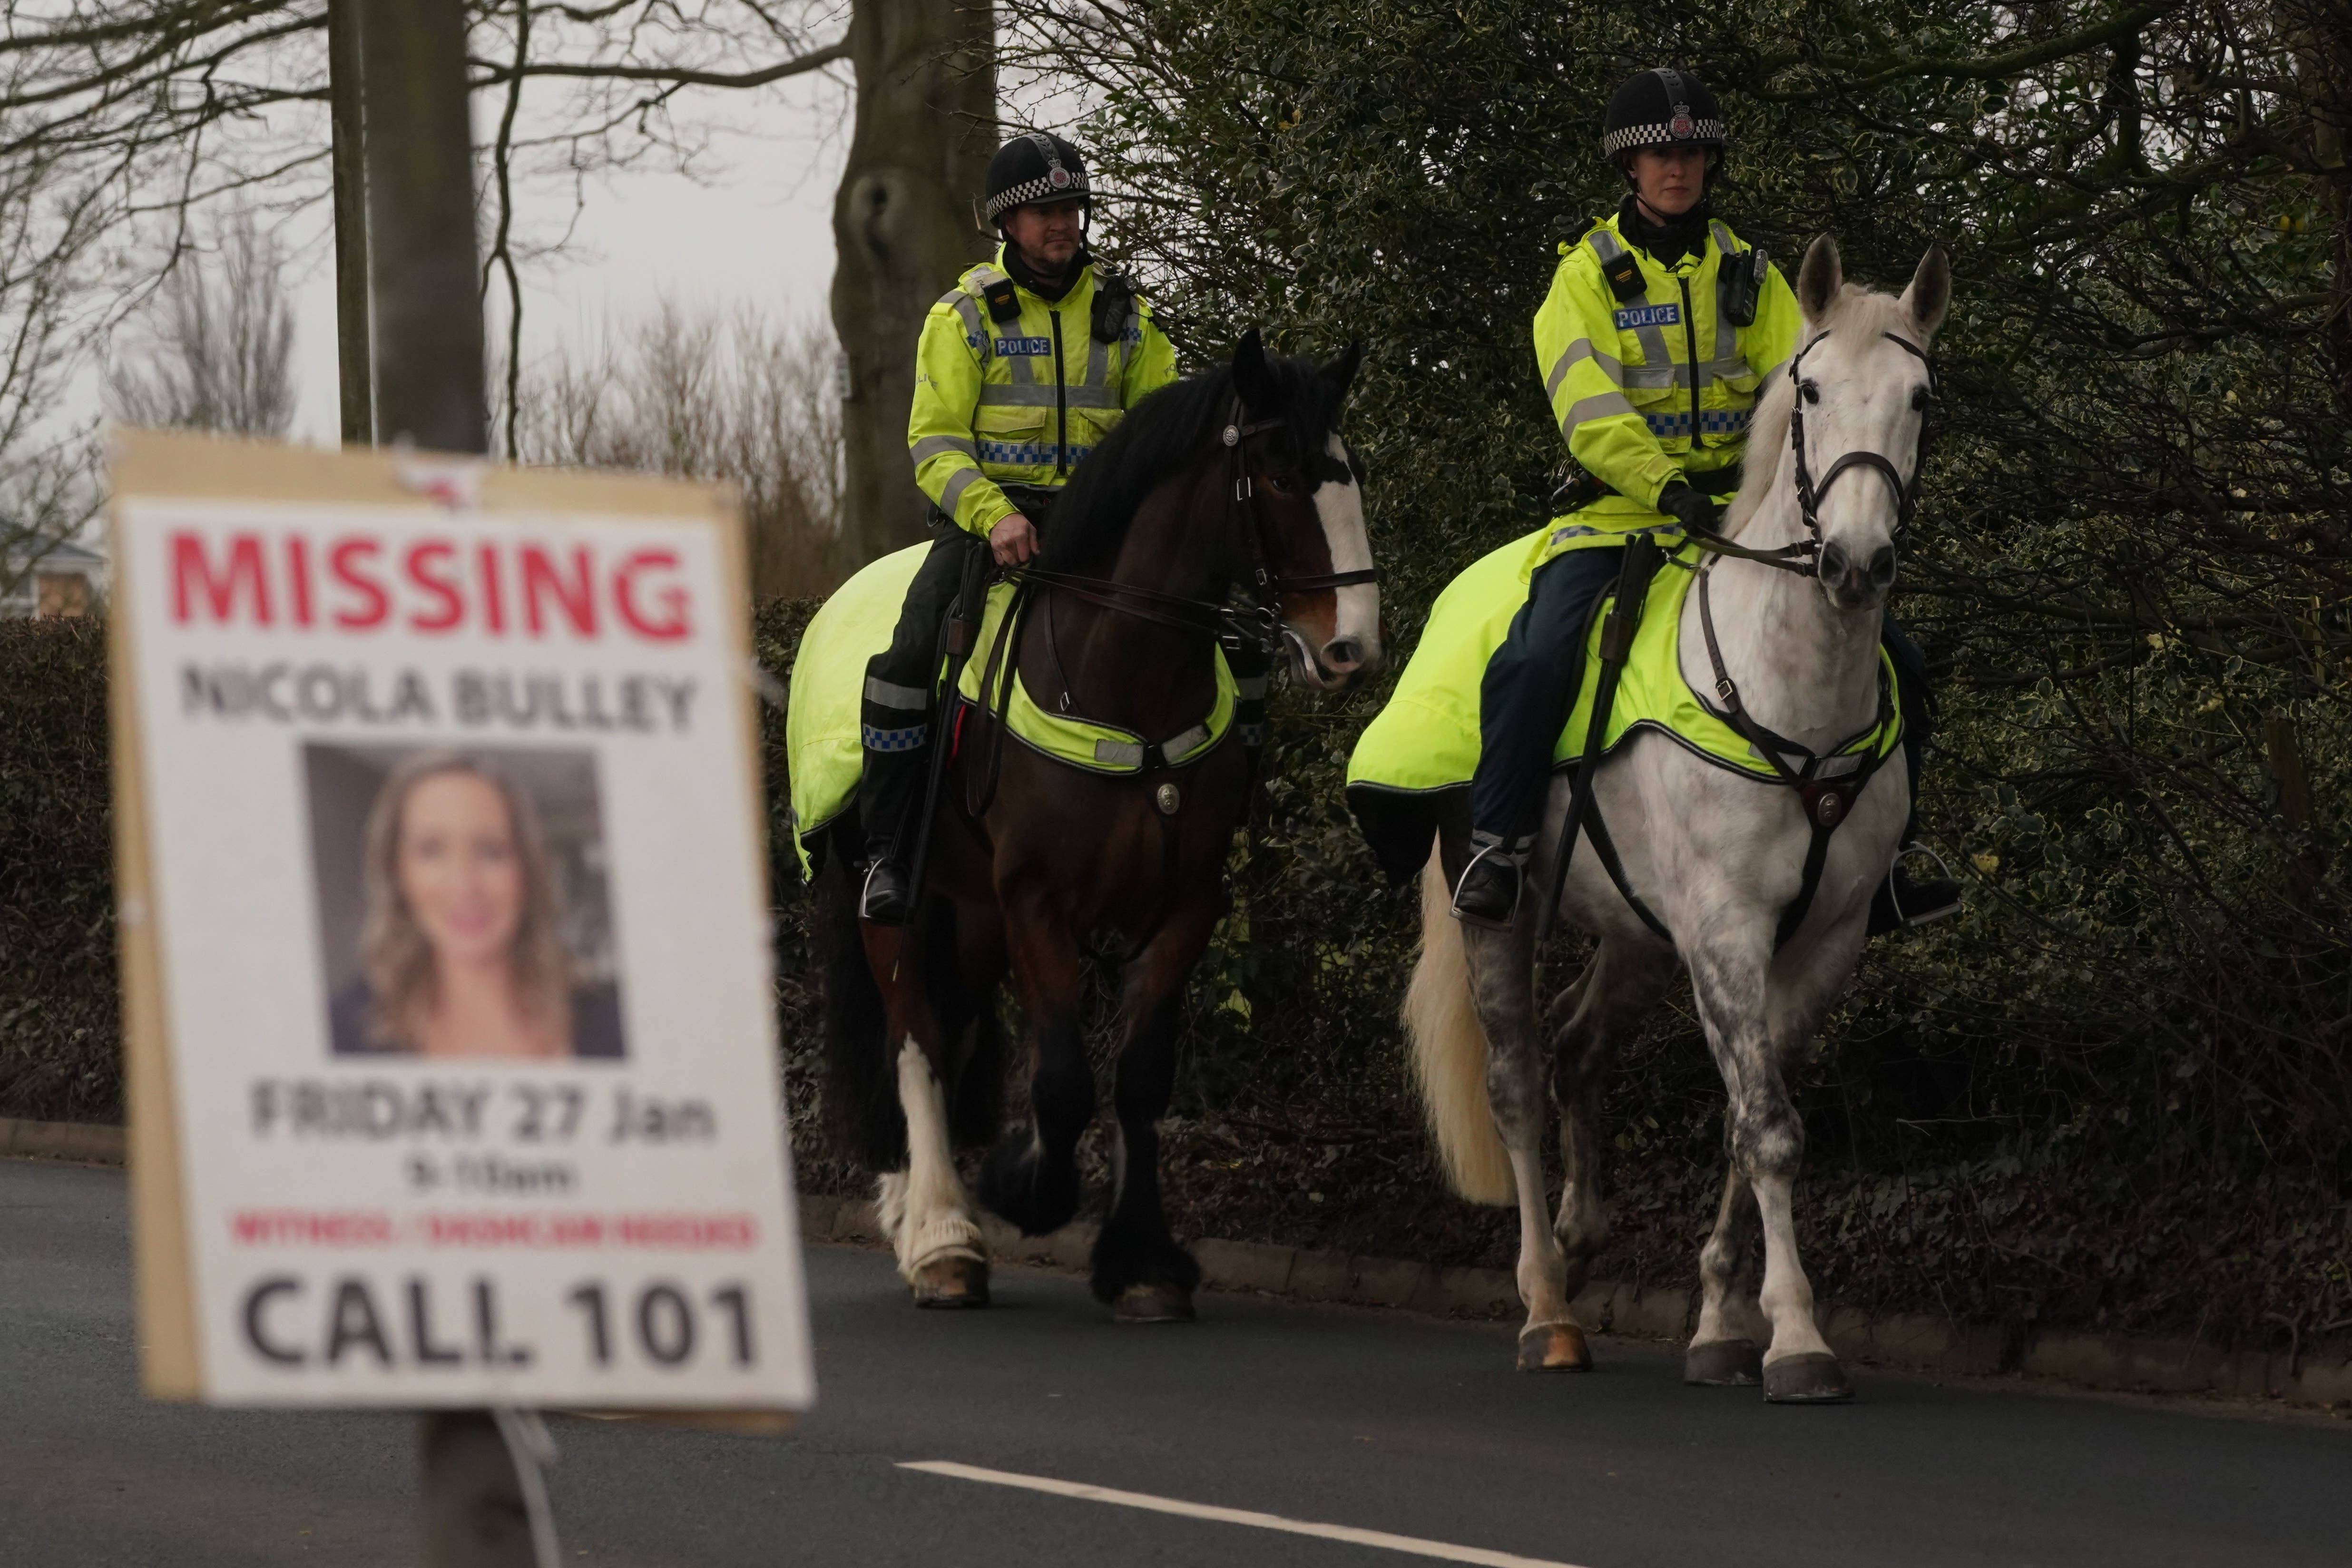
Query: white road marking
[1444, 1550]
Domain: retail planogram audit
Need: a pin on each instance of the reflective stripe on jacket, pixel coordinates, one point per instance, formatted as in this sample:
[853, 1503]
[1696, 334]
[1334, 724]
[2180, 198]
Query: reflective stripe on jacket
[1627, 381]
[1021, 402]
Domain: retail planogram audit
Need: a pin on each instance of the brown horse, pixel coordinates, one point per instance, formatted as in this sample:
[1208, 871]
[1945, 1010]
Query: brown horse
[1232, 477]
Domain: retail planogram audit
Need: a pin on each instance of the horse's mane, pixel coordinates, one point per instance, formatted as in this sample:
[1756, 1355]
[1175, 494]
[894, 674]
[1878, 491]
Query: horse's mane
[1768, 448]
[1165, 433]
[1858, 309]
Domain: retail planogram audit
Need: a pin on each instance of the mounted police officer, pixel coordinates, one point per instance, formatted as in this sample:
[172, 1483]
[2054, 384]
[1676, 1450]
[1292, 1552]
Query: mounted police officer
[1021, 369]
[1657, 339]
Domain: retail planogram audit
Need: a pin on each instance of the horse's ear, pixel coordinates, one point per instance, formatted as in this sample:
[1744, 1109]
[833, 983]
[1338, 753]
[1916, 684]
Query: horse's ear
[1341, 372]
[1252, 377]
[1819, 279]
[1930, 294]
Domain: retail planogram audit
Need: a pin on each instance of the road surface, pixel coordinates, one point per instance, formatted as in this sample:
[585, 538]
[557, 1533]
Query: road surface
[1366, 1421]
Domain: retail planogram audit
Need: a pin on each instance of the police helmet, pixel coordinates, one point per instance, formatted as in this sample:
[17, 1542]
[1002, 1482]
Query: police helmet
[1660, 108]
[1036, 166]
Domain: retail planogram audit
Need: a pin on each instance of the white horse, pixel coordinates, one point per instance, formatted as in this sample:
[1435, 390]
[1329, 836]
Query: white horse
[1716, 857]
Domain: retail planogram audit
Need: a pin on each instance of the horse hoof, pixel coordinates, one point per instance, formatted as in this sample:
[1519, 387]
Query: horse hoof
[1152, 1304]
[1813, 1378]
[1724, 1363]
[951, 1282]
[1554, 1347]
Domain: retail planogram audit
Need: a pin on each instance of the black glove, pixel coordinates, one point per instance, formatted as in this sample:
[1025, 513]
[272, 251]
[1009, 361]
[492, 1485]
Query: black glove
[1686, 506]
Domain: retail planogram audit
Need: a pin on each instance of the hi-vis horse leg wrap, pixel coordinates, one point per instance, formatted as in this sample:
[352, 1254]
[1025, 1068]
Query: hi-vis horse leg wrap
[931, 1217]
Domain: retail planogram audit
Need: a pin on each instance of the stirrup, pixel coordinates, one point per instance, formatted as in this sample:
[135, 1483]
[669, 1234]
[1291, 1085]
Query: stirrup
[1907, 921]
[875, 904]
[1516, 863]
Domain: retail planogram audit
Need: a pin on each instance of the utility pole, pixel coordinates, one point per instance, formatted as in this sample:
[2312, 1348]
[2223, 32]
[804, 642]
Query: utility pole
[483, 1506]
[348, 118]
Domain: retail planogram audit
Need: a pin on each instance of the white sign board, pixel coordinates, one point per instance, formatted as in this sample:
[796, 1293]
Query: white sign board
[453, 1073]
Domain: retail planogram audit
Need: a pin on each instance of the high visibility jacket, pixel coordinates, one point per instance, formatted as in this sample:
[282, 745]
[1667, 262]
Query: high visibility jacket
[1021, 401]
[1655, 387]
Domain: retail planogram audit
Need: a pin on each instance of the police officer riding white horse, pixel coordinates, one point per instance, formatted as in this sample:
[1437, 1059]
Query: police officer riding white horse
[1659, 335]
[1023, 368]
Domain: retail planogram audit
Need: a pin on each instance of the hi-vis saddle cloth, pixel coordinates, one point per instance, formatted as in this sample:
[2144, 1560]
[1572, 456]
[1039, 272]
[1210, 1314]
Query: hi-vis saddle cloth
[1426, 741]
[821, 740]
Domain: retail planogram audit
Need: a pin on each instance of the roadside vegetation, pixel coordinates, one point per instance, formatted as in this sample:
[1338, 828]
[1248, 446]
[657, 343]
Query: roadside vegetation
[2118, 1092]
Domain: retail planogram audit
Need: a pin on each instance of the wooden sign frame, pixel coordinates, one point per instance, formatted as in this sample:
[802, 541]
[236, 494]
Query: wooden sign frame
[181, 466]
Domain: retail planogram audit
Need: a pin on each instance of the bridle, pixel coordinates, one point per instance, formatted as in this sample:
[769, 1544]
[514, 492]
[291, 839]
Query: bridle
[1803, 557]
[1260, 623]
[1827, 782]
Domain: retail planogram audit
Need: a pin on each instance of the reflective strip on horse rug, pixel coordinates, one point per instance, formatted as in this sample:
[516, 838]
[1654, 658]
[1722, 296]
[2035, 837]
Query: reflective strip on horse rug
[821, 727]
[1426, 738]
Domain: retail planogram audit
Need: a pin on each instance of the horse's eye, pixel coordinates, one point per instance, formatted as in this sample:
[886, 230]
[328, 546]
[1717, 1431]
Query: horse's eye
[1281, 484]
[1919, 399]
[1812, 394]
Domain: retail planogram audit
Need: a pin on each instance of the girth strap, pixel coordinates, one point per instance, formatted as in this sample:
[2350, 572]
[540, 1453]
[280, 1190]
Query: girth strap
[1617, 628]
[1828, 795]
[1596, 829]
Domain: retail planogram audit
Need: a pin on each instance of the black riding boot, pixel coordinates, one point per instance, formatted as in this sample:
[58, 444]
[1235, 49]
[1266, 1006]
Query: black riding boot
[1903, 901]
[895, 723]
[887, 796]
[1525, 695]
[1489, 893]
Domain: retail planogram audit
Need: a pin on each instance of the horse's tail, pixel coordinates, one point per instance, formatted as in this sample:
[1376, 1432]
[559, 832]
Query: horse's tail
[861, 1077]
[1449, 1052]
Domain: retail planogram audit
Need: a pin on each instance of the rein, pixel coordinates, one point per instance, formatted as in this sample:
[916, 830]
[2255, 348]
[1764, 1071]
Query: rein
[1803, 557]
[1211, 618]
[1828, 797]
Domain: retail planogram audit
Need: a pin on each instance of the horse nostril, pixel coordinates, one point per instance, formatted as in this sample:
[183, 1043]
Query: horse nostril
[1343, 653]
[1882, 566]
[1832, 564]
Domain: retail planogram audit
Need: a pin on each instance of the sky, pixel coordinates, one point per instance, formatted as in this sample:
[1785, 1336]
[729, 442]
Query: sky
[754, 224]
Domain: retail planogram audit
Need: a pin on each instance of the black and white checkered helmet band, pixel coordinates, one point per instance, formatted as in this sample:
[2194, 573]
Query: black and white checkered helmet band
[1053, 185]
[1056, 179]
[1681, 129]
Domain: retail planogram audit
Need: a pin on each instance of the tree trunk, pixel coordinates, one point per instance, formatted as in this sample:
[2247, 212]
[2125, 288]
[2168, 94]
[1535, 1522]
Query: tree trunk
[353, 370]
[904, 227]
[426, 280]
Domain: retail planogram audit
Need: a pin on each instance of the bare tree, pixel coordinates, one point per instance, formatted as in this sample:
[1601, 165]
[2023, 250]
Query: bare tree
[164, 108]
[723, 395]
[171, 105]
[219, 353]
[48, 488]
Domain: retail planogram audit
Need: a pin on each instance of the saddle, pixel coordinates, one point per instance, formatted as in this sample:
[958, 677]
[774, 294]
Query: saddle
[826, 762]
[1416, 757]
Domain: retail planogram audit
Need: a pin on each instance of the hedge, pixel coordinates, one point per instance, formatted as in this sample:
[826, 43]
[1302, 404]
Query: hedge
[1945, 1172]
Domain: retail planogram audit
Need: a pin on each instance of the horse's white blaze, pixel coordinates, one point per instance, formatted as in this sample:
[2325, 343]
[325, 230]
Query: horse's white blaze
[1340, 507]
[934, 1214]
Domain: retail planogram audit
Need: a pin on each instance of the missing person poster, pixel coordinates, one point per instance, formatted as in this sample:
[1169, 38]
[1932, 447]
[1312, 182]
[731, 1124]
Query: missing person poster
[444, 909]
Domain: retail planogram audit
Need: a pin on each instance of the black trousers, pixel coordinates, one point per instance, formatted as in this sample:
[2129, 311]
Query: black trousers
[895, 715]
[1532, 680]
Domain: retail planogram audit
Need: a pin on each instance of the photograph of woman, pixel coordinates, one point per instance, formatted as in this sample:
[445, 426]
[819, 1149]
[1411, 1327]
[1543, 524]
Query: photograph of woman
[460, 944]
